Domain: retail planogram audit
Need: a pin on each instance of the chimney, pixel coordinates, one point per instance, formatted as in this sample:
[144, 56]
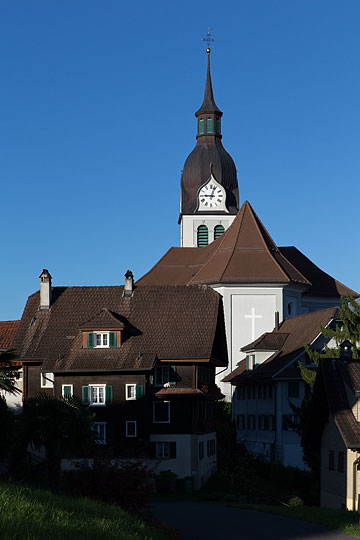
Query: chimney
[129, 284]
[45, 290]
[277, 324]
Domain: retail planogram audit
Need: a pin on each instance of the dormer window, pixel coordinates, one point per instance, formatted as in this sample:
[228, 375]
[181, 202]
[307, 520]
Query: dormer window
[101, 340]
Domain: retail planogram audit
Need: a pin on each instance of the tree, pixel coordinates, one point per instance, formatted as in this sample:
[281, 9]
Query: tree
[348, 329]
[59, 425]
[8, 372]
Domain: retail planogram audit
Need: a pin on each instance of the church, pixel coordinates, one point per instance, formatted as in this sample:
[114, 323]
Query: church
[226, 246]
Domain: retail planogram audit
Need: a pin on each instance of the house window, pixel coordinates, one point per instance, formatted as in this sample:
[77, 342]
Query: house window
[331, 460]
[218, 231]
[201, 450]
[130, 391]
[166, 450]
[67, 390]
[161, 412]
[293, 389]
[202, 236]
[100, 340]
[131, 428]
[97, 394]
[47, 380]
[250, 361]
[341, 462]
[209, 125]
[211, 447]
[251, 422]
[240, 392]
[289, 422]
[201, 126]
[270, 422]
[99, 432]
[165, 375]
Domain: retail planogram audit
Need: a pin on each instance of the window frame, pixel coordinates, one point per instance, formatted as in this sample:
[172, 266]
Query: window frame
[161, 421]
[162, 383]
[62, 390]
[95, 424]
[127, 431]
[127, 387]
[91, 402]
[163, 445]
[48, 379]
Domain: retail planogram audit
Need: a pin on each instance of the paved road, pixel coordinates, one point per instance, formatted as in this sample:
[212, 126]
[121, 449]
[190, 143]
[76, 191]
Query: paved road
[212, 522]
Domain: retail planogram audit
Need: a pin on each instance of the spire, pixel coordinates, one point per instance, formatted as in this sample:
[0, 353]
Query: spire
[208, 105]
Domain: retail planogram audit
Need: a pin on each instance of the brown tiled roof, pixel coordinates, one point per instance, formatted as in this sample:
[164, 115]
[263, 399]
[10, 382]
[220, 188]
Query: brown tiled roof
[332, 373]
[293, 333]
[161, 322]
[321, 283]
[245, 253]
[184, 392]
[7, 333]
[104, 319]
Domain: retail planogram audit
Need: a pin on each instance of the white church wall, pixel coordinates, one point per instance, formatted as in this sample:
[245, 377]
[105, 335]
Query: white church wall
[190, 224]
[249, 312]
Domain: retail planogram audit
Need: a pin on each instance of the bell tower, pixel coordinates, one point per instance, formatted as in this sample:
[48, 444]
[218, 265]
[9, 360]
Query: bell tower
[209, 198]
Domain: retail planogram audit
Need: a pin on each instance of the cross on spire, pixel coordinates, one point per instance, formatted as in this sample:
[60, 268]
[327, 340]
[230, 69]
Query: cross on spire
[208, 39]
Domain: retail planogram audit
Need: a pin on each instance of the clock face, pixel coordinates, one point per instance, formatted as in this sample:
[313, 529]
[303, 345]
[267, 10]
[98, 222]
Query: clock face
[211, 196]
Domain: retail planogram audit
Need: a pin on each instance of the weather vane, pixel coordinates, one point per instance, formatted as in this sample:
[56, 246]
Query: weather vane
[208, 39]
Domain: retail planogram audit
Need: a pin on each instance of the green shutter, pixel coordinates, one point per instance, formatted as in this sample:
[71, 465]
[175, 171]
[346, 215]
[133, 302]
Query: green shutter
[67, 391]
[218, 231]
[85, 394]
[90, 339]
[173, 449]
[108, 394]
[201, 126]
[202, 236]
[172, 375]
[112, 339]
[139, 391]
[209, 125]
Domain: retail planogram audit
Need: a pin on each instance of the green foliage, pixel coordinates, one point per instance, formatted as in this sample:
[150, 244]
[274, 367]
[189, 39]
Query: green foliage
[295, 502]
[126, 483]
[349, 329]
[166, 481]
[34, 514]
[8, 372]
[7, 428]
[59, 425]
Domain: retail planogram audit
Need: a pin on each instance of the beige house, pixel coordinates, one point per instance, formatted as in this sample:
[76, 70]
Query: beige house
[337, 412]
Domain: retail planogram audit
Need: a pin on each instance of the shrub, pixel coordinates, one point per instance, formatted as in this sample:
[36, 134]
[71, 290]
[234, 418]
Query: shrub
[126, 483]
[295, 502]
[166, 481]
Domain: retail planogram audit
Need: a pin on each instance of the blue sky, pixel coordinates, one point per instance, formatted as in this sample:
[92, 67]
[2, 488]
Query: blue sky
[97, 119]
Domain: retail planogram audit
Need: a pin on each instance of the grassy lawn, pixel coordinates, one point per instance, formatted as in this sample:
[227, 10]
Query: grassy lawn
[36, 514]
[342, 520]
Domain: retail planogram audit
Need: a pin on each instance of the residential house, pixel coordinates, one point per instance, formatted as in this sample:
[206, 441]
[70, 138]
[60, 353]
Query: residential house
[334, 428]
[144, 360]
[268, 381]
[7, 334]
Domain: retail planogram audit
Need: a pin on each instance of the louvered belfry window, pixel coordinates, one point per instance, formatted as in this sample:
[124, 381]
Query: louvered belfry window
[202, 236]
[209, 125]
[218, 231]
[201, 126]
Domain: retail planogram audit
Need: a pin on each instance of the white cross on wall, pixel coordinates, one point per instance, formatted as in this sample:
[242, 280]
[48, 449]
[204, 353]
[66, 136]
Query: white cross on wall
[253, 317]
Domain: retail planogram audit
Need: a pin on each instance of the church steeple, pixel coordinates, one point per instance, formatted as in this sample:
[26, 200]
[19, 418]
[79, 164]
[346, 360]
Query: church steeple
[209, 114]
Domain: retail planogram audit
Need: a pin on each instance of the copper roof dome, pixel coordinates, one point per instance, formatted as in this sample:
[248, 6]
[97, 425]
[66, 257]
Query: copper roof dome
[208, 155]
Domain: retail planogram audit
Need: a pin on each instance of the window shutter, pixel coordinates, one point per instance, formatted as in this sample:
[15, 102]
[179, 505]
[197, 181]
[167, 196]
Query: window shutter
[112, 339]
[139, 391]
[172, 375]
[109, 394]
[209, 125]
[67, 391]
[202, 236]
[173, 449]
[90, 339]
[85, 394]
